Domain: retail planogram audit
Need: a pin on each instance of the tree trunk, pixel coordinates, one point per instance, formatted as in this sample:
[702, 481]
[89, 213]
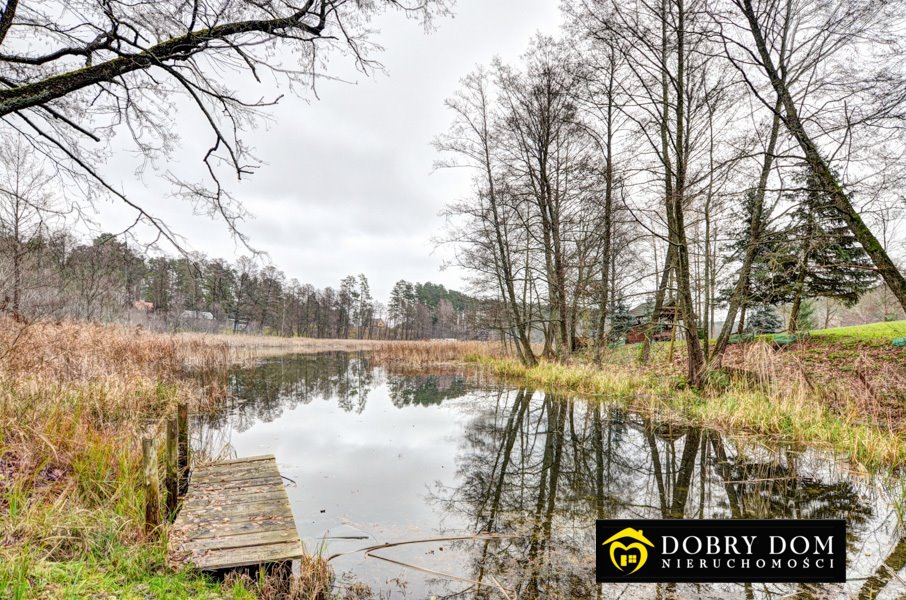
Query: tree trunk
[608, 222]
[669, 258]
[794, 313]
[740, 290]
[695, 358]
[17, 278]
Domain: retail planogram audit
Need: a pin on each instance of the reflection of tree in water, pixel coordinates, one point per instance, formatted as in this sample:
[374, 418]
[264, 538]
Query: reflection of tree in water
[546, 467]
[886, 571]
[424, 390]
[263, 392]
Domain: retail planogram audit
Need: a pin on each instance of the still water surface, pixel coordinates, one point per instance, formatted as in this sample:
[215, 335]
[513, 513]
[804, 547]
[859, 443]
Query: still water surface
[380, 457]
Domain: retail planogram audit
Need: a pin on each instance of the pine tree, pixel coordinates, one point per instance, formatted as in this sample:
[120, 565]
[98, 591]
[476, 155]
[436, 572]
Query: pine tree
[829, 262]
[621, 321]
[764, 319]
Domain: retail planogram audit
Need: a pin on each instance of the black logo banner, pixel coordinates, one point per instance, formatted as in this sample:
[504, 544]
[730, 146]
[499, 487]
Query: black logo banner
[721, 551]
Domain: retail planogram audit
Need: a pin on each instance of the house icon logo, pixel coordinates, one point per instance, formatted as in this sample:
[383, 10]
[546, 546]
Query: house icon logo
[632, 555]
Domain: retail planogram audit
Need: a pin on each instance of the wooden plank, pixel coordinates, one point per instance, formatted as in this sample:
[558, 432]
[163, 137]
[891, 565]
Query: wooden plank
[243, 557]
[239, 472]
[216, 497]
[275, 508]
[236, 513]
[241, 540]
[197, 532]
[234, 461]
[220, 504]
[231, 469]
[232, 520]
[251, 479]
[269, 481]
[239, 475]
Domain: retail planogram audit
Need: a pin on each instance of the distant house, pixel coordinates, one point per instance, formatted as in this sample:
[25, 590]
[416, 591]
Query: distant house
[640, 312]
[196, 314]
[664, 322]
[143, 306]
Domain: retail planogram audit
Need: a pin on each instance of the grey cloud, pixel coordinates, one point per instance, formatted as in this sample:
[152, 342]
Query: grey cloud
[346, 185]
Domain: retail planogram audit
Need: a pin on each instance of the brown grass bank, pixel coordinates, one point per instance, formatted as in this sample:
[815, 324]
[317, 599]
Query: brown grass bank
[75, 399]
[846, 397]
[250, 347]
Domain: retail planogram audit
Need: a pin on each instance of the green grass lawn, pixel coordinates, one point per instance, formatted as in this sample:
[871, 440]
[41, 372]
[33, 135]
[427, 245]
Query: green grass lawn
[875, 333]
[872, 332]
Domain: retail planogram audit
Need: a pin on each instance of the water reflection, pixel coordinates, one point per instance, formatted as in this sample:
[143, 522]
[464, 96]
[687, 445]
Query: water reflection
[425, 390]
[537, 467]
[264, 392]
[548, 466]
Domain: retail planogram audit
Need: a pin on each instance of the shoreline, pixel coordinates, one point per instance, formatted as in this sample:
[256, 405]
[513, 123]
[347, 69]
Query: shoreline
[748, 413]
[755, 397]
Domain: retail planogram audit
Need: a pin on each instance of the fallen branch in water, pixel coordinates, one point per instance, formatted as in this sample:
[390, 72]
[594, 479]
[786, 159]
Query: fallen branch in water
[369, 552]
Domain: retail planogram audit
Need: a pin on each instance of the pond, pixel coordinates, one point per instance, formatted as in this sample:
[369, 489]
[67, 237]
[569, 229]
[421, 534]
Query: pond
[380, 457]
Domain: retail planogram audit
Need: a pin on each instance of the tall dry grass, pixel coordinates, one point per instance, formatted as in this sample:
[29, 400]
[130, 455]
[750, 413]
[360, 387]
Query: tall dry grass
[432, 353]
[75, 399]
[775, 397]
[252, 347]
[64, 383]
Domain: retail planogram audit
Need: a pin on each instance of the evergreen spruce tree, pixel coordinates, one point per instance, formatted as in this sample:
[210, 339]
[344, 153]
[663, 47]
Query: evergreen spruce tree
[764, 319]
[825, 257]
[768, 282]
[805, 317]
[621, 321]
[814, 255]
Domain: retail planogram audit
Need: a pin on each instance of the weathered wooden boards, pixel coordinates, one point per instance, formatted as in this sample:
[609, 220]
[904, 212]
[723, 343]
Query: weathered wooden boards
[236, 514]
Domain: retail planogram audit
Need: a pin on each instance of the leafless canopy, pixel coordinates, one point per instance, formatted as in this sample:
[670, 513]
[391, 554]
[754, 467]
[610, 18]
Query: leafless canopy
[75, 72]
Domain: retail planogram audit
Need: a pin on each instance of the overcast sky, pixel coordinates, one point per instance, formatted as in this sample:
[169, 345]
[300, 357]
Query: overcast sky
[347, 183]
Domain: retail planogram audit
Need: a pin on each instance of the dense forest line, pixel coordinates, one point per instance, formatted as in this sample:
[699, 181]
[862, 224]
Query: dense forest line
[51, 273]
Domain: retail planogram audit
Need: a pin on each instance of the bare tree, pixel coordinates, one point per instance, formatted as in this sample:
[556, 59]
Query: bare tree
[547, 151]
[471, 141]
[602, 98]
[667, 59]
[27, 211]
[73, 73]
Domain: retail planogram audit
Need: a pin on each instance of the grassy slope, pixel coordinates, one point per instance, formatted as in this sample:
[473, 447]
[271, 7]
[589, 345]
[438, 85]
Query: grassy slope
[874, 332]
[772, 415]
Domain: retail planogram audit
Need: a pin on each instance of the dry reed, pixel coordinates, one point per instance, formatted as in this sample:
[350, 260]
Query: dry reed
[244, 348]
[434, 353]
[75, 399]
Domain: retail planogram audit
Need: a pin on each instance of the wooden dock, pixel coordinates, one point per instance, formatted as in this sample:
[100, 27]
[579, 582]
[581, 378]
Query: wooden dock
[235, 514]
